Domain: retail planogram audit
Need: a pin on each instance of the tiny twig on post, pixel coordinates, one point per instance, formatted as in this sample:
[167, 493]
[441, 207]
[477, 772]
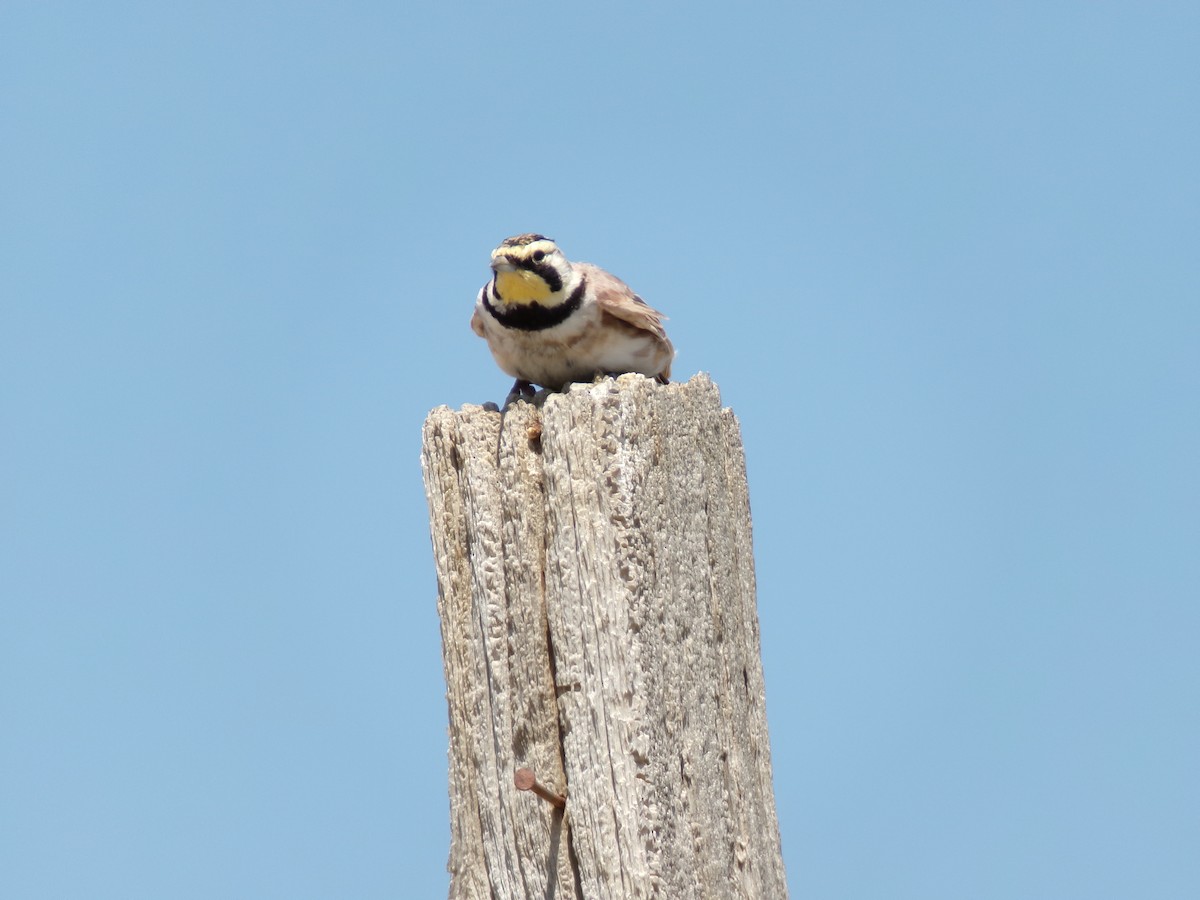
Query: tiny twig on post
[525, 780]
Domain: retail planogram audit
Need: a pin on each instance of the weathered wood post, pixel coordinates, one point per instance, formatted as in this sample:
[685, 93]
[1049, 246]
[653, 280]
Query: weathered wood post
[597, 600]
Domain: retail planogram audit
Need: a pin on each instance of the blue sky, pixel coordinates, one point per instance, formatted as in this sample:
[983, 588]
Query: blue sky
[941, 259]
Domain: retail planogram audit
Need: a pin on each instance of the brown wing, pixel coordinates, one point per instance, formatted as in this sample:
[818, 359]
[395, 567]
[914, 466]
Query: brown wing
[617, 299]
[477, 316]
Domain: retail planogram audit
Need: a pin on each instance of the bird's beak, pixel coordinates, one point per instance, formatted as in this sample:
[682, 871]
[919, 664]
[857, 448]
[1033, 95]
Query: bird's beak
[502, 264]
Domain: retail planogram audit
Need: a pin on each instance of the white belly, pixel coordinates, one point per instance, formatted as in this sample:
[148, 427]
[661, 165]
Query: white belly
[577, 350]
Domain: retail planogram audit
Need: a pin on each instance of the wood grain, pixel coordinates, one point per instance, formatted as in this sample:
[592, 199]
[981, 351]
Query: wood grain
[597, 599]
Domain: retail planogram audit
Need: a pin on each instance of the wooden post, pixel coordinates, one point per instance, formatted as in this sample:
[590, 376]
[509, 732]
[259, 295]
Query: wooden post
[597, 600]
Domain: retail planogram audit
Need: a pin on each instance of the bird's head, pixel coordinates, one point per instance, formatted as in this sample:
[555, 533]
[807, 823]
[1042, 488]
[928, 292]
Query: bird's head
[530, 269]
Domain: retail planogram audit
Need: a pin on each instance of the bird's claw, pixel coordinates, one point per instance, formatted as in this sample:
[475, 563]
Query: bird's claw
[521, 390]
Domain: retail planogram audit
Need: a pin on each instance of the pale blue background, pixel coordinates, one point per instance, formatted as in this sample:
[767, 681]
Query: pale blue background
[942, 259]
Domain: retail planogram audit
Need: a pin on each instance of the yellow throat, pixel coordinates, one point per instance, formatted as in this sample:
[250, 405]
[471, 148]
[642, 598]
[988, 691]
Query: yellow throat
[521, 286]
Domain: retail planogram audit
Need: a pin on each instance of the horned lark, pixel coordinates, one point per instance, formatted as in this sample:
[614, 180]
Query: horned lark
[550, 321]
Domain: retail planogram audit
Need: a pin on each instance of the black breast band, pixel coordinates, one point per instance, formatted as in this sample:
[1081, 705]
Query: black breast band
[533, 316]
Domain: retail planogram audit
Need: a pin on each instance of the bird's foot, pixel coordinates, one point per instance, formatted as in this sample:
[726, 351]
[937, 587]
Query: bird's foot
[521, 390]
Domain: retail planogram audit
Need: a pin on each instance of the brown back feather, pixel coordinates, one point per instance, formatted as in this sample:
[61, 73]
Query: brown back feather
[616, 298]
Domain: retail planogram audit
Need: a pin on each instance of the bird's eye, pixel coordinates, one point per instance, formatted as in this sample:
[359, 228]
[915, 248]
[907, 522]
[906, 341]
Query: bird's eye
[539, 255]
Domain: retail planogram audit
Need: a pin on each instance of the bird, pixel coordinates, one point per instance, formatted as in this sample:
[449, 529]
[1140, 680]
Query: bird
[550, 322]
